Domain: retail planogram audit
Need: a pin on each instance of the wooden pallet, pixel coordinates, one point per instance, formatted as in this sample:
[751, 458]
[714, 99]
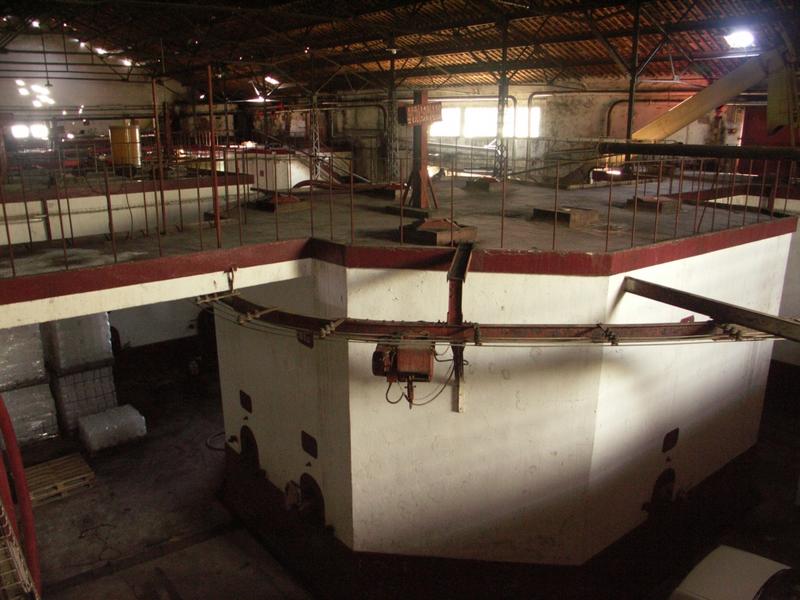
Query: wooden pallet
[56, 479]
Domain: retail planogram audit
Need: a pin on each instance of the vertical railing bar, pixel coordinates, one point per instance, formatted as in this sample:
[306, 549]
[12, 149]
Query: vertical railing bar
[352, 216]
[761, 193]
[8, 232]
[555, 201]
[679, 203]
[199, 206]
[238, 197]
[635, 204]
[110, 214]
[747, 190]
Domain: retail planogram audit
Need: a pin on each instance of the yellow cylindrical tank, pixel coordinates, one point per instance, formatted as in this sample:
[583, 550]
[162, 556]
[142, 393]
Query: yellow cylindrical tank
[126, 146]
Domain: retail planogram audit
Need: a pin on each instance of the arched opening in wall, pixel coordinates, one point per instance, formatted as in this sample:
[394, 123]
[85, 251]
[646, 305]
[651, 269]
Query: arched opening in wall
[663, 493]
[312, 508]
[249, 453]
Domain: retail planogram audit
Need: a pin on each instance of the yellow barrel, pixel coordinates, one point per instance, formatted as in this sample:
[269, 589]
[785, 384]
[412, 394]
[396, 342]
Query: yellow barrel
[126, 146]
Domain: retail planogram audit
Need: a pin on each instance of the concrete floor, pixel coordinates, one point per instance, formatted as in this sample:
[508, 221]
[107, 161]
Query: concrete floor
[372, 225]
[152, 527]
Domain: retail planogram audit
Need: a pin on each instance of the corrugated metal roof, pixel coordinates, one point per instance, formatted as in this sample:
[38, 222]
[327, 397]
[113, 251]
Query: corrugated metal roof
[346, 43]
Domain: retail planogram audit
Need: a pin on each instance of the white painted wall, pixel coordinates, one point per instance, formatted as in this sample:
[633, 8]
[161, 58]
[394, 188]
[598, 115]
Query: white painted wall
[558, 447]
[293, 389]
[154, 323]
[90, 213]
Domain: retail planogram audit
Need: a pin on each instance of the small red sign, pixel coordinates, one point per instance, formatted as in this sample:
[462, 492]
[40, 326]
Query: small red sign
[420, 114]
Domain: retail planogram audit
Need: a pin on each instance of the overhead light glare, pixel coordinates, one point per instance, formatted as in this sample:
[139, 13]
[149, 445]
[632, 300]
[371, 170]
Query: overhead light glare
[19, 82]
[741, 38]
[20, 132]
[37, 104]
[46, 99]
[40, 131]
[271, 80]
[35, 23]
[39, 89]
[126, 62]
[257, 99]
[24, 91]
[101, 51]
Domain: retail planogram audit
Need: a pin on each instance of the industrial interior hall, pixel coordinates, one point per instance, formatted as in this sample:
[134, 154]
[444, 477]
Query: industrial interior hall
[400, 299]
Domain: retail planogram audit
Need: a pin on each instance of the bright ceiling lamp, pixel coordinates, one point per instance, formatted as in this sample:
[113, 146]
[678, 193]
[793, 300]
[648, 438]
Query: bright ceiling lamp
[271, 80]
[741, 38]
[23, 91]
[37, 103]
[19, 82]
[40, 90]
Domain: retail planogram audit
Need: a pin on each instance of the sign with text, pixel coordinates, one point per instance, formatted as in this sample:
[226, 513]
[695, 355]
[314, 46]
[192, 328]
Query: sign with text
[420, 114]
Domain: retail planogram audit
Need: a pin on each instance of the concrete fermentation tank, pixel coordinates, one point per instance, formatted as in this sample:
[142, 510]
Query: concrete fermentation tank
[126, 146]
[559, 450]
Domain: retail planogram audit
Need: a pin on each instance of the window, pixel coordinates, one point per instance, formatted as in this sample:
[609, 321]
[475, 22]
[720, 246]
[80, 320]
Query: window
[450, 125]
[40, 131]
[480, 121]
[20, 131]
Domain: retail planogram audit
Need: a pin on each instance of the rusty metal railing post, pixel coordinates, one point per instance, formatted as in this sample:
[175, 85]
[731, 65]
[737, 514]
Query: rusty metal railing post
[747, 190]
[213, 158]
[608, 210]
[680, 199]
[275, 197]
[144, 206]
[8, 232]
[199, 207]
[635, 204]
[761, 193]
[352, 215]
[697, 198]
[66, 197]
[788, 186]
[157, 132]
[503, 201]
[312, 162]
[238, 197]
[330, 192]
[61, 227]
[774, 192]
[180, 204]
[658, 200]
[452, 198]
[110, 214]
[555, 201]
[27, 214]
[731, 191]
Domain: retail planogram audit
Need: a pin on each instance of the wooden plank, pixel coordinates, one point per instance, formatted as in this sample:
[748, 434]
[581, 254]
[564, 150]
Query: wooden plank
[58, 478]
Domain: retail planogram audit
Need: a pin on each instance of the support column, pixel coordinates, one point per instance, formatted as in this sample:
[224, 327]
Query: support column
[634, 69]
[212, 153]
[501, 151]
[314, 125]
[392, 154]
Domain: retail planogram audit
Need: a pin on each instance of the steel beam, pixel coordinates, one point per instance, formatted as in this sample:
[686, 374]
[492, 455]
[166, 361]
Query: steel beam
[746, 75]
[700, 150]
[721, 312]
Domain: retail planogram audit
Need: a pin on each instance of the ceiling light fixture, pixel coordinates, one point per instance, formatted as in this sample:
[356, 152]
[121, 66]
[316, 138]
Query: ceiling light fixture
[271, 80]
[40, 89]
[35, 23]
[100, 51]
[741, 38]
[37, 104]
[19, 82]
[24, 91]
